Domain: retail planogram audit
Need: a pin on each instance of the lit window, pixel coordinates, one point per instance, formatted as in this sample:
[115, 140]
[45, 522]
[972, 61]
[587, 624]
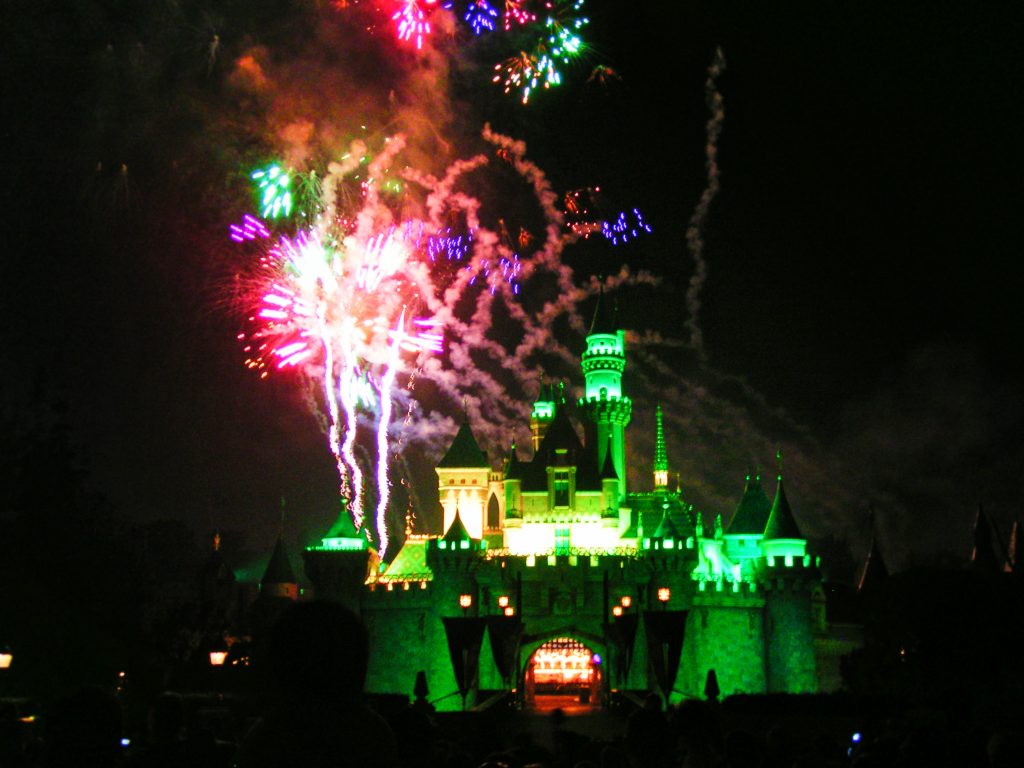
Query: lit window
[562, 539]
[561, 488]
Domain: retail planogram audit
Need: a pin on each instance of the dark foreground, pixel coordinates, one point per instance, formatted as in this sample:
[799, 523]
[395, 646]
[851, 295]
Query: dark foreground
[86, 730]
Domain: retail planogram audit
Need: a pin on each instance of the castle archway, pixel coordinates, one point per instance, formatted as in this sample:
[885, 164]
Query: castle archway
[564, 673]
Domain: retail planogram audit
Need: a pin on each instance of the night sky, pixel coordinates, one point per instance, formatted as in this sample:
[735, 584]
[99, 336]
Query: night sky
[863, 253]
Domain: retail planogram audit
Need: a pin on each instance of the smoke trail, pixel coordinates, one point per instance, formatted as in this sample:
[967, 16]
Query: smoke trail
[694, 235]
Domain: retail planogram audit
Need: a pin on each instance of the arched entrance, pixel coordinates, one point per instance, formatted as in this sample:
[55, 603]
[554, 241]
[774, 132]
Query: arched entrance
[563, 673]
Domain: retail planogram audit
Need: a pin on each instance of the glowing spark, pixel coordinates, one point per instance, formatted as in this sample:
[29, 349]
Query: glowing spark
[481, 16]
[624, 227]
[275, 199]
[410, 23]
[515, 13]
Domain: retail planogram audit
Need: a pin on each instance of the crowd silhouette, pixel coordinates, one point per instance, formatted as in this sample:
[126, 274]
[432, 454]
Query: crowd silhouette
[312, 712]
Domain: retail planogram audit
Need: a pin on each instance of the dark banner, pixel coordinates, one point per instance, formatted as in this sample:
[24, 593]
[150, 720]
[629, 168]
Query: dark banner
[506, 633]
[665, 633]
[621, 636]
[464, 638]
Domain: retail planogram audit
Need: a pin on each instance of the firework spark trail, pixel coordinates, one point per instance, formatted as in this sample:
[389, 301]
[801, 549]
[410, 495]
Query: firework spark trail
[339, 288]
[386, 385]
[345, 464]
[349, 403]
[694, 235]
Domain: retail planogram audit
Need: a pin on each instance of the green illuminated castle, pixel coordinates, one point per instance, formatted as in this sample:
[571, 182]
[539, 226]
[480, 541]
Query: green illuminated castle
[555, 551]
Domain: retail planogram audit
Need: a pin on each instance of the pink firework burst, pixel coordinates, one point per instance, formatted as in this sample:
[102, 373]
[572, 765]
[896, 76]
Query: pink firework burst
[411, 23]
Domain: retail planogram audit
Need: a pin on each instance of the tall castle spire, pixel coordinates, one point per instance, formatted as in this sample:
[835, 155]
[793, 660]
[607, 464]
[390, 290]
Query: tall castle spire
[606, 410]
[660, 455]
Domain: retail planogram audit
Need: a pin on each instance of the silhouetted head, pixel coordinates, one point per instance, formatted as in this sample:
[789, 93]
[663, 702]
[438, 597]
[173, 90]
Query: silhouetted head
[652, 702]
[318, 650]
[166, 717]
[84, 730]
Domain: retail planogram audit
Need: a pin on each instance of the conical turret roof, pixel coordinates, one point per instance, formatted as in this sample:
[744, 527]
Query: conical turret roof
[464, 451]
[666, 528]
[457, 530]
[751, 515]
[983, 556]
[660, 453]
[344, 527]
[605, 316]
[561, 434]
[874, 572]
[781, 523]
[513, 468]
[279, 569]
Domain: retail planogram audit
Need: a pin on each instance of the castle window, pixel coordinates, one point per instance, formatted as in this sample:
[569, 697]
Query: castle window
[493, 510]
[562, 539]
[561, 488]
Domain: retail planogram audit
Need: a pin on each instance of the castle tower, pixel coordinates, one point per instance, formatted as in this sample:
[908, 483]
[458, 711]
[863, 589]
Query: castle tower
[606, 410]
[660, 455]
[746, 528]
[463, 478]
[789, 578]
[513, 483]
[543, 412]
[340, 566]
[279, 578]
[609, 488]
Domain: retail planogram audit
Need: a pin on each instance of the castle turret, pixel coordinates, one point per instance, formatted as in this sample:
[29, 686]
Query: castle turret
[513, 482]
[543, 412]
[279, 578]
[340, 566]
[983, 557]
[746, 528]
[789, 578]
[782, 537]
[660, 455]
[606, 410]
[463, 477]
[875, 572]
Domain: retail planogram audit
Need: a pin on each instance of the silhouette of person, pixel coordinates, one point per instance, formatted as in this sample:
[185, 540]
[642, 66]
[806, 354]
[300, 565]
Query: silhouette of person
[83, 730]
[166, 747]
[317, 661]
[647, 735]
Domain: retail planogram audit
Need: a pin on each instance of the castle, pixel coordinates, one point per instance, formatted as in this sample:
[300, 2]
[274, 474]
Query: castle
[551, 575]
